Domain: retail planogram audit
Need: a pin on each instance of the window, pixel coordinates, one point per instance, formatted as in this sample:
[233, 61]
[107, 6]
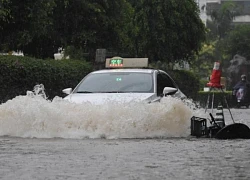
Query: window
[163, 80]
[117, 82]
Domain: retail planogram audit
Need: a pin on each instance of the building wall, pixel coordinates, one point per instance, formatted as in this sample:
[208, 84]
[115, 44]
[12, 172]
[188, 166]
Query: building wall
[202, 7]
[207, 5]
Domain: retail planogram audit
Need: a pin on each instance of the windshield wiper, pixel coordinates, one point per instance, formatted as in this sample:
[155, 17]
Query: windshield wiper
[102, 92]
[84, 92]
[115, 92]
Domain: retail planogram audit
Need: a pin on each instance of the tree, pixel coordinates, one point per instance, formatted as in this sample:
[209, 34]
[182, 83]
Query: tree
[169, 31]
[28, 26]
[93, 24]
[161, 30]
[222, 18]
[4, 12]
[5, 18]
[204, 60]
[213, 50]
[40, 27]
[238, 41]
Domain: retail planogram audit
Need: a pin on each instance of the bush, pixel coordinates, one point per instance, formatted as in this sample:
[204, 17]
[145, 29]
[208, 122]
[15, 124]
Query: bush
[19, 74]
[74, 53]
[187, 82]
[203, 83]
[218, 98]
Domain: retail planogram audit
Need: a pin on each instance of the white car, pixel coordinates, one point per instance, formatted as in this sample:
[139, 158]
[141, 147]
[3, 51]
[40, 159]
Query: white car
[126, 80]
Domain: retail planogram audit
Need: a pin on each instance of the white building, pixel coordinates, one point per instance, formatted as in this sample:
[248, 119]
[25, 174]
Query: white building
[204, 5]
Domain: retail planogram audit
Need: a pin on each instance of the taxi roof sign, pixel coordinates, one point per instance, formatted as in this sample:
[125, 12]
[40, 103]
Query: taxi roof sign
[118, 62]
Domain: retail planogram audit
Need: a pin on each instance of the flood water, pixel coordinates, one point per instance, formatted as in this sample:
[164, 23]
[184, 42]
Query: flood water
[42, 139]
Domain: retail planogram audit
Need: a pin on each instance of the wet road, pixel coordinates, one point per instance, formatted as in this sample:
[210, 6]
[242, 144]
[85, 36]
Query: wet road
[143, 159]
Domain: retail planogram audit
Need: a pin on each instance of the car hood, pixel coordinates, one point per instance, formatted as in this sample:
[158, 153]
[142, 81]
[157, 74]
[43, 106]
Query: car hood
[101, 98]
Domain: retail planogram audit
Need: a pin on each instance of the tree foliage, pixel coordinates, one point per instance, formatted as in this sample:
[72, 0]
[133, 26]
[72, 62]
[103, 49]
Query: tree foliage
[4, 12]
[214, 49]
[204, 60]
[222, 18]
[167, 30]
[238, 41]
[28, 26]
[161, 30]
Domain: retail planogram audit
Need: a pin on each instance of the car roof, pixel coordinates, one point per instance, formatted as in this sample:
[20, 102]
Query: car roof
[124, 70]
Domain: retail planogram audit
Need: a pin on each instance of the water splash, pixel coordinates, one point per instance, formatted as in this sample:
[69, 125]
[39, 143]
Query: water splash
[38, 90]
[35, 116]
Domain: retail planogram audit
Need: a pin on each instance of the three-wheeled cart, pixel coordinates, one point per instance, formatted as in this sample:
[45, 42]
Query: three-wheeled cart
[218, 128]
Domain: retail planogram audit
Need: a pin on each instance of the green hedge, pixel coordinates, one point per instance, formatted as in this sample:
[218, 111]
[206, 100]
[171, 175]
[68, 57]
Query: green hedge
[187, 81]
[19, 74]
[218, 98]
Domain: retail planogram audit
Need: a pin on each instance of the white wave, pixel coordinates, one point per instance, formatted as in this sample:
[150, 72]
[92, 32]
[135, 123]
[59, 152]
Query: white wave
[33, 116]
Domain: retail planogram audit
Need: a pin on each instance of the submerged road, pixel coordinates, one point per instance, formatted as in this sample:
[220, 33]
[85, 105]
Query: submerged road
[127, 159]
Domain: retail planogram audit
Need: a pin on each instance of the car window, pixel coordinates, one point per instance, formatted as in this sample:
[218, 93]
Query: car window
[122, 82]
[163, 80]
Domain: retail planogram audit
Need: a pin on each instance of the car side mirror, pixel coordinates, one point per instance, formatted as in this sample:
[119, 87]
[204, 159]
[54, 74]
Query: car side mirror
[67, 91]
[169, 91]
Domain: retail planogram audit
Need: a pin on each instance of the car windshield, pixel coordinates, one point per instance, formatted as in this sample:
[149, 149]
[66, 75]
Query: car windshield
[113, 82]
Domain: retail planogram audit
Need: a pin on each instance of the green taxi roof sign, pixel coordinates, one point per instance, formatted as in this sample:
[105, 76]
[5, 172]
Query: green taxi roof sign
[118, 62]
